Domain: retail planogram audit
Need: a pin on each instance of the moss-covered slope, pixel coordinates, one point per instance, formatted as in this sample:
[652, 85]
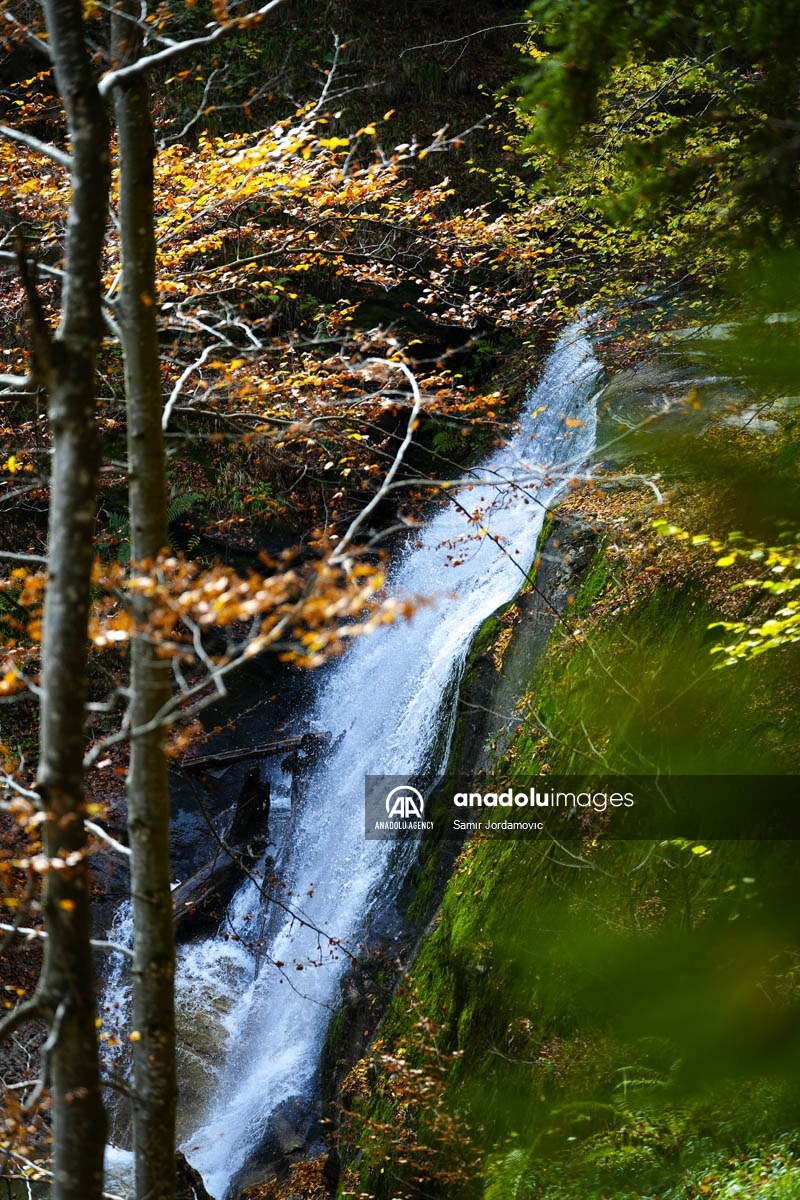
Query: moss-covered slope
[606, 1018]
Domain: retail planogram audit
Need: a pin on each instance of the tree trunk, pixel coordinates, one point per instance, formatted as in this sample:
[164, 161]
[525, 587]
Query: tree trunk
[65, 366]
[148, 796]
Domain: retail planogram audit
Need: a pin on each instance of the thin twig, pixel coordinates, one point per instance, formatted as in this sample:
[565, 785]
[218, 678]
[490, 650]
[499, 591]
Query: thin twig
[102, 836]
[398, 458]
[113, 78]
[465, 38]
[42, 935]
[37, 558]
[44, 1056]
[174, 395]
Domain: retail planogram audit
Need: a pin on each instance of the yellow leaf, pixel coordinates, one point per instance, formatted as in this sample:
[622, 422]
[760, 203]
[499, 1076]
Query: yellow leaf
[10, 683]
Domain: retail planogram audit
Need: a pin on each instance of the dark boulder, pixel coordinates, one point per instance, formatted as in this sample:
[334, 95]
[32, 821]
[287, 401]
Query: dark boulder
[202, 900]
[189, 1182]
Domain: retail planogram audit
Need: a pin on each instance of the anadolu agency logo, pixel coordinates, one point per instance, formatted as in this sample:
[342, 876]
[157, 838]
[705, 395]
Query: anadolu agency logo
[405, 803]
[394, 808]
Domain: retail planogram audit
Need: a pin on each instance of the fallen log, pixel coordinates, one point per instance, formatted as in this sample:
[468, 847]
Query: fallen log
[202, 901]
[306, 741]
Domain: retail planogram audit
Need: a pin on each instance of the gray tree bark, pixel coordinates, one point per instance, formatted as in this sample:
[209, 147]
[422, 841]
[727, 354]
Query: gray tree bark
[153, 1015]
[64, 365]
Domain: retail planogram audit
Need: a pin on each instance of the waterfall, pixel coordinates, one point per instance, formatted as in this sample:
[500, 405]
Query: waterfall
[385, 702]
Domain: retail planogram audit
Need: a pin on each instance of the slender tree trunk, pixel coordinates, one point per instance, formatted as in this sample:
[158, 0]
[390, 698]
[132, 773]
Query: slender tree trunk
[148, 797]
[65, 366]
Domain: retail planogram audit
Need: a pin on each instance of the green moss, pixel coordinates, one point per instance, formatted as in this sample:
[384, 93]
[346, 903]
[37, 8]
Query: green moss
[425, 883]
[544, 535]
[623, 1013]
[334, 1051]
[593, 585]
[639, 695]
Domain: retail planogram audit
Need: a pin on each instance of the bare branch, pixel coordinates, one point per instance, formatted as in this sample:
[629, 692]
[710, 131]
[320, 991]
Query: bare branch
[294, 911]
[16, 382]
[33, 143]
[103, 836]
[118, 1085]
[30, 37]
[109, 312]
[110, 320]
[41, 934]
[8, 782]
[645, 481]
[111, 947]
[41, 268]
[199, 113]
[199, 694]
[14, 494]
[37, 558]
[27, 381]
[398, 458]
[174, 395]
[30, 1170]
[112, 78]
[466, 37]
[44, 1055]
[329, 76]
[30, 1010]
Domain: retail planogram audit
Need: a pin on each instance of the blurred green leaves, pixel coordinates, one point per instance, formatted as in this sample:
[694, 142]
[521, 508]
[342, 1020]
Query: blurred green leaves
[698, 100]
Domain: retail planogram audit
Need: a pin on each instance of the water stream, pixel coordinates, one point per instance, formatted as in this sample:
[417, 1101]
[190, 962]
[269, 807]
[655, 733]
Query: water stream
[387, 702]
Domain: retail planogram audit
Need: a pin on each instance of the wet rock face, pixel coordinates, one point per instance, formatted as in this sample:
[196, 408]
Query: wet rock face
[203, 1041]
[293, 1132]
[300, 1129]
[366, 990]
[493, 687]
[498, 679]
[189, 1183]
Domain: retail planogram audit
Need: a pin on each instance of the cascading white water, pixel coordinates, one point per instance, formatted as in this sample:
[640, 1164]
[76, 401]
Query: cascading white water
[385, 698]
